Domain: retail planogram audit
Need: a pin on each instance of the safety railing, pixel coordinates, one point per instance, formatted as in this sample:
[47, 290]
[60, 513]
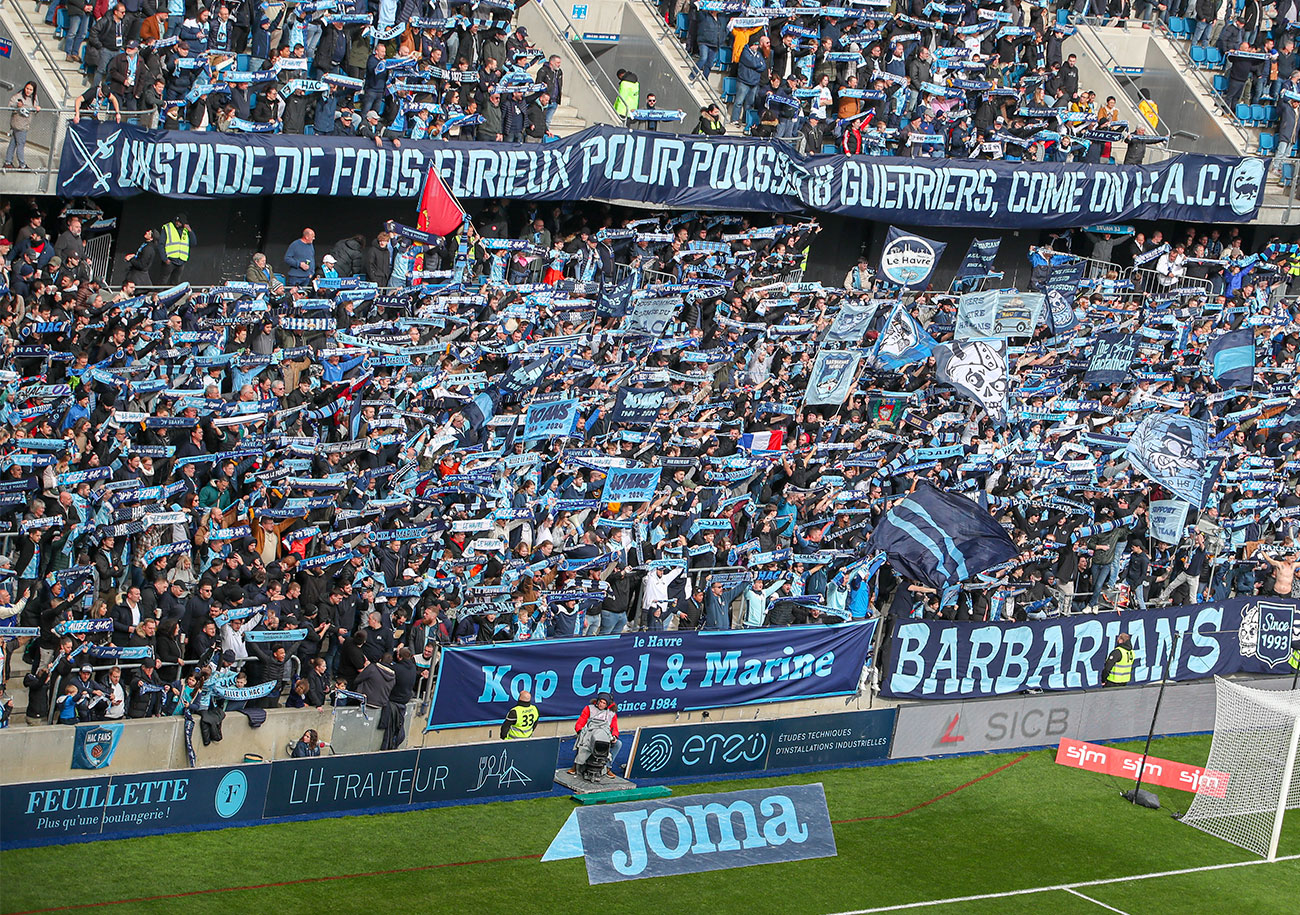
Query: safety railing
[673, 47]
[1153, 282]
[606, 86]
[1101, 52]
[1203, 79]
[51, 68]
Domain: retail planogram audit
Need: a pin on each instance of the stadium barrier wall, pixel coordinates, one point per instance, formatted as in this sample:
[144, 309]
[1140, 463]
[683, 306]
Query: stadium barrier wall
[149, 744]
[117, 806]
[1020, 722]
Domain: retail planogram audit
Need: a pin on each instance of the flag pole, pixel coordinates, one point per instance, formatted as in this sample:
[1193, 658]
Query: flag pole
[462, 251]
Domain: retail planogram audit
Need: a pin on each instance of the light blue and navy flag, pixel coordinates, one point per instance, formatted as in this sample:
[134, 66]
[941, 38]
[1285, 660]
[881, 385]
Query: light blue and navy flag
[902, 341]
[1170, 449]
[940, 538]
[1232, 358]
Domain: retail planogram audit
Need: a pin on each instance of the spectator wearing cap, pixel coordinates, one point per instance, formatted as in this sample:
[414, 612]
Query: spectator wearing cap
[125, 73]
[328, 267]
[514, 117]
[493, 126]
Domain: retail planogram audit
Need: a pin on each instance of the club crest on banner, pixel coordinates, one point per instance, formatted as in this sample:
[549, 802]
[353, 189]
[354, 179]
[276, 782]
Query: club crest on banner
[908, 260]
[1268, 629]
[1246, 185]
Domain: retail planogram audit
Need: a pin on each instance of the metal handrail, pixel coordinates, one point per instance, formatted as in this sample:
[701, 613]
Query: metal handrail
[50, 65]
[1198, 74]
[569, 32]
[668, 39]
[1127, 85]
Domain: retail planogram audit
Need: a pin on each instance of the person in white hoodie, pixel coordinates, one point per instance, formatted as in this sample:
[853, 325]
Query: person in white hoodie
[654, 596]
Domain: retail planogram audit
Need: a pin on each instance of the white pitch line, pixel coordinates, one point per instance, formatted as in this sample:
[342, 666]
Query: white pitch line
[1097, 902]
[1064, 886]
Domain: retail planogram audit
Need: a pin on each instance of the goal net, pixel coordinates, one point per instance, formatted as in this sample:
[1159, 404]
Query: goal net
[1255, 739]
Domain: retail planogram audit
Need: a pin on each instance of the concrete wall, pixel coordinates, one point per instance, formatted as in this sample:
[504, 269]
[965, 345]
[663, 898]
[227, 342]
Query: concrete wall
[151, 744]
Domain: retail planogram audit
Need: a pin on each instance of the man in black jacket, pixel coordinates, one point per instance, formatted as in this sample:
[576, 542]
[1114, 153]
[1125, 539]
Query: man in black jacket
[552, 77]
[146, 691]
[537, 131]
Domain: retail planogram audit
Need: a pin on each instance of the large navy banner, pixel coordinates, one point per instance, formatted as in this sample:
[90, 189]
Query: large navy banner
[930, 660]
[47, 813]
[650, 672]
[670, 170]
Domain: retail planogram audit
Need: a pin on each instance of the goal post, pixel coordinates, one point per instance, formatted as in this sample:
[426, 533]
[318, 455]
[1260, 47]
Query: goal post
[1250, 779]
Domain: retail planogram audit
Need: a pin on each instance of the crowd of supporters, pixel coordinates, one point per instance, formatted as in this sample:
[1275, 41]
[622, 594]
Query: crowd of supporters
[310, 479]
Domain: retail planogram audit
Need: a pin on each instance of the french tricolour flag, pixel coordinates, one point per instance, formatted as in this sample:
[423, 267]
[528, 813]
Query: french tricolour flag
[763, 441]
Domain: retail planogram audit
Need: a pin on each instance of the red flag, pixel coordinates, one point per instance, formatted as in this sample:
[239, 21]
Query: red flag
[439, 211]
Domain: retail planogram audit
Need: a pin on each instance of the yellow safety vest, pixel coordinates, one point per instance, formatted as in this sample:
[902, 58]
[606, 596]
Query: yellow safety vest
[629, 97]
[1122, 672]
[176, 243]
[1294, 660]
[526, 718]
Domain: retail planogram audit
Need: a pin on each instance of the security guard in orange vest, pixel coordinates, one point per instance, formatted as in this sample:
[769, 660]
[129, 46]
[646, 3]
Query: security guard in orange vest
[521, 719]
[1119, 663]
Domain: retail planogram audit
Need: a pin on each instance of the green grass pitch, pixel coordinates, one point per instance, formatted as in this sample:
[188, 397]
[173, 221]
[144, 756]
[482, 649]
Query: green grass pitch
[904, 835]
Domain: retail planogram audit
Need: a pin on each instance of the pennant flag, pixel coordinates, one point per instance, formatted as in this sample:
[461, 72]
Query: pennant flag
[1170, 449]
[908, 260]
[978, 369]
[902, 341]
[940, 538]
[440, 214]
[832, 377]
[1232, 358]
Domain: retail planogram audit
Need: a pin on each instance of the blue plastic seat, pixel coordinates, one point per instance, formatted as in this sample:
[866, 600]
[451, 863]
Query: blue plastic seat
[1198, 56]
[830, 149]
[683, 25]
[1213, 57]
[1220, 83]
[1178, 27]
[729, 88]
[1267, 143]
[1243, 114]
[242, 61]
[1258, 115]
[1270, 114]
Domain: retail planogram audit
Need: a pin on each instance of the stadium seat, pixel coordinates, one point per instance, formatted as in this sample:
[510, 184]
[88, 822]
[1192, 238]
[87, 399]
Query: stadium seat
[242, 61]
[751, 119]
[1267, 143]
[1243, 114]
[1220, 83]
[1213, 58]
[683, 26]
[830, 149]
[1178, 27]
[1270, 114]
[1198, 56]
[1258, 115]
[728, 89]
